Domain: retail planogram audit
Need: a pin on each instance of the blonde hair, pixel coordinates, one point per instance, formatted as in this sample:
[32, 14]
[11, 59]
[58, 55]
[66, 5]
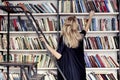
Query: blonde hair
[70, 33]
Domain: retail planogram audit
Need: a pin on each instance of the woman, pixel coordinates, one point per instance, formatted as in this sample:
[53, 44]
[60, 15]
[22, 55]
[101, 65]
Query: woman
[70, 54]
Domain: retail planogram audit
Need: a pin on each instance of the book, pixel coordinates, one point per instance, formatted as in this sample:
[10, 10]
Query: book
[100, 60]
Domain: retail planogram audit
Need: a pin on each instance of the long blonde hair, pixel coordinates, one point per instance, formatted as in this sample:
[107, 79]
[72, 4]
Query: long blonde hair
[70, 33]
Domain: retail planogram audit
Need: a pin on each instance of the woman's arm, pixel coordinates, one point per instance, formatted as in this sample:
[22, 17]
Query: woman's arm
[89, 20]
[53, 51]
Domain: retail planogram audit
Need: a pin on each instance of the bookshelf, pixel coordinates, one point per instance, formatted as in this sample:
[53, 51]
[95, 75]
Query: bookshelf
[113, 52]
[35, 52]
[58, 17]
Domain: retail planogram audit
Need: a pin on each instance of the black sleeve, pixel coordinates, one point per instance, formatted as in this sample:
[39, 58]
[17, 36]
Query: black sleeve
[60, 46]
[83, 32]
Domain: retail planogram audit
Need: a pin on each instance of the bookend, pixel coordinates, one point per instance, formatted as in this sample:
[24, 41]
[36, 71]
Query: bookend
[11, 9]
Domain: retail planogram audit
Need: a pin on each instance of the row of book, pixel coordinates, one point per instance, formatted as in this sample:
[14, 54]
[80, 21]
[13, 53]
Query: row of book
[27, 43]
[18, 24]
[33, 43]
[44, 60]
[94, 76]
[44, 7]
[98, 24]
[101, 42]
[69, 6]
[83, 6]
[16, 76]
[100, 61]
[48, 24]
[49, 76]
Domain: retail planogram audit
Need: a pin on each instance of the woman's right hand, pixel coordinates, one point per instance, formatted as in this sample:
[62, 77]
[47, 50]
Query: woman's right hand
[42, 39]
[91, 13]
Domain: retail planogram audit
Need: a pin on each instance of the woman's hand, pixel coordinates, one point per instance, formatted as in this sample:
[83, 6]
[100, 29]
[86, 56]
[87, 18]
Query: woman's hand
[91, 13]
[42, 39]
[89, 20]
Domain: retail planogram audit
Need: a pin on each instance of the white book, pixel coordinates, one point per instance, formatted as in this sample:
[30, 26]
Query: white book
[51, 77]
[107, 77]
[11, 76]
[53, 10]
[113, 42]
[46, 24]
[110, 62]
[43, 60]
[54, 39]
[40, 24]
[31, 43]
[46, 77]
[60, 6]
[110, 6]
[74, 8]
[91, 76]
[109, 40]
[46, 7]
[15, 43]
[39, 60]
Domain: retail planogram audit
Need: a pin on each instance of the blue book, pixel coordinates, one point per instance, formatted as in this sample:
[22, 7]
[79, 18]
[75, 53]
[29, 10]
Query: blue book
[113, 24]
[46, 7]
[24, 27]
[78, 9]
[87, 60]
[21, 22]
[106, 4]
[81, 5]
[94, 24]
[99, 65]
[86, 63]
[99, 42]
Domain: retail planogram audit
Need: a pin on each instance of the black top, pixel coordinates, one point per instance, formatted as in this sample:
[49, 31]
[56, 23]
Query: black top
[72, 62]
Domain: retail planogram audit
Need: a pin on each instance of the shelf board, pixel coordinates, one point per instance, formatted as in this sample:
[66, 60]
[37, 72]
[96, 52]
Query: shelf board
[24, 50]
[102, 32]
[34, 14]
[86, 50]
[102, 68]
[47, 32]
[96, 14]
[56, 68]
[100, 50]
[29, 32]
[15, 68]
[47, 68]
[64, 14]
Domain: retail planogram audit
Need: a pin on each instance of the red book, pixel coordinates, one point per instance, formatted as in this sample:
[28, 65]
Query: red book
[97, 2]
[103, 6]
[100, 60]
[50, 24]
[15, 24]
